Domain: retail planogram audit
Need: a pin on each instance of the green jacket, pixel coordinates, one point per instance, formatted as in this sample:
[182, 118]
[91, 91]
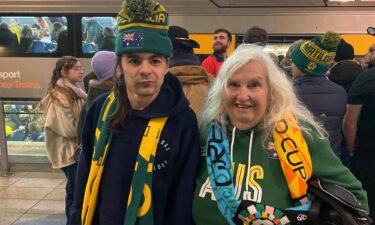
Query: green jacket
[266, 181]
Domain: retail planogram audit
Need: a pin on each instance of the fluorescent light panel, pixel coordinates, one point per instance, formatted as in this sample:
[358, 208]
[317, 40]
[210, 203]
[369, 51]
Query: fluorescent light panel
[341, 0]
[351, 0]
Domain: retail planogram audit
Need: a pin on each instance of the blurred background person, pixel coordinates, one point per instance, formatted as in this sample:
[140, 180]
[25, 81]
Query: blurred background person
[343, 72]
[27, 39]
[344, 69]
[103, 65]
[35, 29]
[44, 35]
[186, 66]
[274, 58]
[63, 44]
[359, 130]
[256, 35]
[109, 38]
[93, 31]
[325, 99]
[286, 62]
[366, 59]
[222, 41]
[42, 24]
[61, 107]
[8, 39]
[14, 26]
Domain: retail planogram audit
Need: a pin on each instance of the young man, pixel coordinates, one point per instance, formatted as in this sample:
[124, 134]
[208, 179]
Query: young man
[344, 69]
[325, 99]
[141, 142]
[256, 35]
[221, 43]
[359, 131]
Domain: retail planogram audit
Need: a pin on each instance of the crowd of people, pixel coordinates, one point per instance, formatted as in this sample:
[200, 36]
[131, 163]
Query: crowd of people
[50, 35]
[32, 35]
[164, 139]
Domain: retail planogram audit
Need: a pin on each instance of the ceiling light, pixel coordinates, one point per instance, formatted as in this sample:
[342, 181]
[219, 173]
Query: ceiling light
[371, 31]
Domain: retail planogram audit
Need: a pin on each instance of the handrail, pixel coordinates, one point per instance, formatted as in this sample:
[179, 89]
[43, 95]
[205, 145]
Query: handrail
[3, 144]
[18, 102]
[8, 102]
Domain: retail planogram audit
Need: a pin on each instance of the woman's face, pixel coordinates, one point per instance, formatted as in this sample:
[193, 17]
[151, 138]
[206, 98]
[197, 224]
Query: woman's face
[75, 74]
[246, 96]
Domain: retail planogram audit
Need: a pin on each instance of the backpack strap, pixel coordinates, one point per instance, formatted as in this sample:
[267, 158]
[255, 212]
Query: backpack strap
[336, 205]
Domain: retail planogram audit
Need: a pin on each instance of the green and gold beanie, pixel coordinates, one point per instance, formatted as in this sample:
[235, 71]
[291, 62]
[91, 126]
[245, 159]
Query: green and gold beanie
[143, 27]
[314, 57]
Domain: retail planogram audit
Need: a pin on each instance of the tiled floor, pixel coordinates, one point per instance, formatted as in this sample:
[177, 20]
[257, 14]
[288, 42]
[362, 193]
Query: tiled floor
[33, 198]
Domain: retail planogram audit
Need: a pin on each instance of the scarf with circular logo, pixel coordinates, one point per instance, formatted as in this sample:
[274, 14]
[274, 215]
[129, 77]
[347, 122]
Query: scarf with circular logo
[294, 160]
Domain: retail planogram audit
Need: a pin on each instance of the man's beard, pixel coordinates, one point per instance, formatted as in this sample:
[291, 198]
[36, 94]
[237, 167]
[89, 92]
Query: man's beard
[219, 48]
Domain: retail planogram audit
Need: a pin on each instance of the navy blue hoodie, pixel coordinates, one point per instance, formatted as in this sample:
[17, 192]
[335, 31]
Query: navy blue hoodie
[175, 163]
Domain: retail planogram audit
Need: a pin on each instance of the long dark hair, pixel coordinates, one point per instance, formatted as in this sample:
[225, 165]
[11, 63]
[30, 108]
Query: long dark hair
[65, 63]
[123, 109]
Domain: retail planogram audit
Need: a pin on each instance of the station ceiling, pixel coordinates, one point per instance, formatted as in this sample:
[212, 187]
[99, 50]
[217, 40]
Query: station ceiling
[291, 3]
[206, 6]
[195, 7]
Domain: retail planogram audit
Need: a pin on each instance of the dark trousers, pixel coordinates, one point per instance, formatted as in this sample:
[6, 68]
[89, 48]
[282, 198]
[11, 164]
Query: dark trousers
[363, 167]
[70, 173]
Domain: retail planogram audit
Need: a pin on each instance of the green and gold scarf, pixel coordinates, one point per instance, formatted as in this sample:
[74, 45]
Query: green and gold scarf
[139, 208]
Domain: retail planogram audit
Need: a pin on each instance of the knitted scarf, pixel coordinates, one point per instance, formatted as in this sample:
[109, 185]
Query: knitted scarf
[294, 160]
[139, 208]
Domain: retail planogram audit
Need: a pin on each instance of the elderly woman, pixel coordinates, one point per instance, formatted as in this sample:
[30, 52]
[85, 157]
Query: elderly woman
[262, 146]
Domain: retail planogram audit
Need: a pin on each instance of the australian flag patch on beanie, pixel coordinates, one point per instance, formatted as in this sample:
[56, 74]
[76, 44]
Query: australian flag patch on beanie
[132, 40]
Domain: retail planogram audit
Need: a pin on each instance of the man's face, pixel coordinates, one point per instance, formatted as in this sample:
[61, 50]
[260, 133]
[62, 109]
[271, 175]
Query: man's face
[221, 42]
[296, 73]
[144, 74]
[365, 60]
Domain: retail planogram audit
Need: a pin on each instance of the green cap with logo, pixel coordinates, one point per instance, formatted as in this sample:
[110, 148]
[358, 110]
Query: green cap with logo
[142, 27]
[314, 57]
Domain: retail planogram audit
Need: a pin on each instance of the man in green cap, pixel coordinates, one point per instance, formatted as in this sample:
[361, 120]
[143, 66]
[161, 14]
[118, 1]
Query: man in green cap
[325, 99]
[140, 143]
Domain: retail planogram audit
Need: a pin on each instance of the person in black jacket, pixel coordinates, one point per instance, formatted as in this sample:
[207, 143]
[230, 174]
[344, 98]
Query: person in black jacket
[64, 47]
[140, 143]
[27, 39]
[108, 43]
[325, 99]
[344, 70]
[103, 65]
[359, 130]
[8, 40]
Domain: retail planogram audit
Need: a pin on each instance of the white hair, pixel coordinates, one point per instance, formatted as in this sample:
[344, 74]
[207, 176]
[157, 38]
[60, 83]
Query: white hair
[282, 100]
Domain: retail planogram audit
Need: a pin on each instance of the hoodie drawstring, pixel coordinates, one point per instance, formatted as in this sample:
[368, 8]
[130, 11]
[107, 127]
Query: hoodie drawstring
[248, 159]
